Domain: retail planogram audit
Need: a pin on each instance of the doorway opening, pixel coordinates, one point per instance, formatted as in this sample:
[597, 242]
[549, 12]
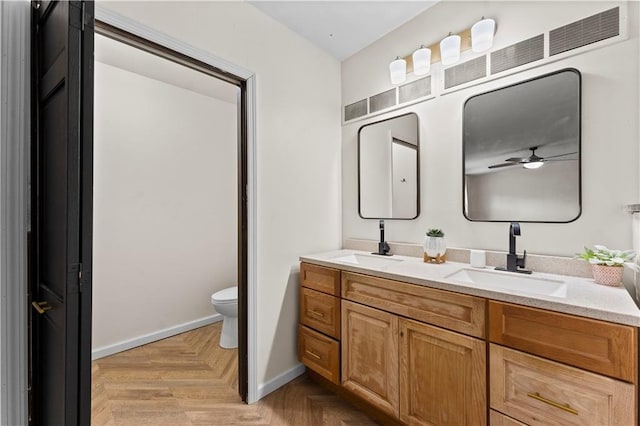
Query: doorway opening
[177, 201]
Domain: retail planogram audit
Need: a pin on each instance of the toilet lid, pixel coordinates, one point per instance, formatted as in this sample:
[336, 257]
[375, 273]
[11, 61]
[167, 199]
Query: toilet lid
[227, 295]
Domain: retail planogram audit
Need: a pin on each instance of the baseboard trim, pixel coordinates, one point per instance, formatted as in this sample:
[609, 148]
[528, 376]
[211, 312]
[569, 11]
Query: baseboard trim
[155, 336]
[265, 389]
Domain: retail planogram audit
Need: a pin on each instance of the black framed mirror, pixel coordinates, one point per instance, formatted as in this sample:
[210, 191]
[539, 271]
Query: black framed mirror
[388, 169]
[521, 151]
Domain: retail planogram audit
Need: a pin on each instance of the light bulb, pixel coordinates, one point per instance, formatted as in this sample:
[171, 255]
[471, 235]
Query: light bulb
[482, 35]
[398, 70]
[421, 61]
[533, 165]
[450, 49]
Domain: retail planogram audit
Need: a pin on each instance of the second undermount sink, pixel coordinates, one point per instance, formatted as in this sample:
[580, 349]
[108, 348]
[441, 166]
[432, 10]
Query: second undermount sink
[371, 260]
[511, 281]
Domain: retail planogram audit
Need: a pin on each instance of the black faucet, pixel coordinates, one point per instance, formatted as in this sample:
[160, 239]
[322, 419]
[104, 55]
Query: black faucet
[513, 260]
[383, 247]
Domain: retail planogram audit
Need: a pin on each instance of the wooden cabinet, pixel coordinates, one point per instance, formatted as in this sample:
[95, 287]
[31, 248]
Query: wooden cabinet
[319, 330]
[417, 372]
[537, 391]
[442, 376]
[370, 355]
[423, 356]
[598, 346]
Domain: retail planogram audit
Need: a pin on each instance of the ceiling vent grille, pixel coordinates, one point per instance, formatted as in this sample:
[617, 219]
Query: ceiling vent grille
[355, 110]
[465, 72]
[414, 90]
[585, 31]
[521, 53]
[382, 100]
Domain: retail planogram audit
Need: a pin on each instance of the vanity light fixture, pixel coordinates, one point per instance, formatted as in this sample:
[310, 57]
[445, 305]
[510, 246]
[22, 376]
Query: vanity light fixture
[421, 60]
[478, 38]
[482, 35]
[450, 49]
[398, 70]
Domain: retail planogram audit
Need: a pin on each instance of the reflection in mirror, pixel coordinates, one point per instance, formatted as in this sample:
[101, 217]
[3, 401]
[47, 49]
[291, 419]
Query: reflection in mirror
[521, 148]
[388, 153]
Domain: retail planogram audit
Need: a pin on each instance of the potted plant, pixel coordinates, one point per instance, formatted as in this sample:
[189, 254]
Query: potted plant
[607, 265]
[435, 248]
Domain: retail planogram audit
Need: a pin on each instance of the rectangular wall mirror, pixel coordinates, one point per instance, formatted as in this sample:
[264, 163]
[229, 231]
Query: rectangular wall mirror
[388, 175]
[521, 151]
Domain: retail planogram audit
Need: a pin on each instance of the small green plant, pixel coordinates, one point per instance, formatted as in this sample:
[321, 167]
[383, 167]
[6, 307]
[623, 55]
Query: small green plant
[600, 255]
[435, 232]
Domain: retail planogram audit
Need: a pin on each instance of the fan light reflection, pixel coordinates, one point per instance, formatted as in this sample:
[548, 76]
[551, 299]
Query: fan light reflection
[533, 165]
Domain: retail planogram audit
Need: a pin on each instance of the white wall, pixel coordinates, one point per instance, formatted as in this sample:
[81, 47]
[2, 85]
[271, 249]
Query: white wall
[165, 205]
[518, 192]
[298, 149]
[609, 125]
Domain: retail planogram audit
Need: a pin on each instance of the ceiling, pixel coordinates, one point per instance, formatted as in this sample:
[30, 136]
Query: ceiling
[342, 28]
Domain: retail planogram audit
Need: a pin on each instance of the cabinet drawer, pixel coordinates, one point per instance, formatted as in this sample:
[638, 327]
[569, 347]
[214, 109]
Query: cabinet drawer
[320, 278]
[457, 312]
[542, 392]
[499, 419]
[597, 346]
[320, 353]
[320, 311]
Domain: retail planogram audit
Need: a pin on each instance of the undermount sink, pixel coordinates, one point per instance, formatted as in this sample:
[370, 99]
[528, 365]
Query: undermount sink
[372, 260]
[511, 281]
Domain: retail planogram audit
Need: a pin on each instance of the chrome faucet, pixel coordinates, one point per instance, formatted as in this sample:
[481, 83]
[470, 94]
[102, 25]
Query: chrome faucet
[383, 247]
[514, 262]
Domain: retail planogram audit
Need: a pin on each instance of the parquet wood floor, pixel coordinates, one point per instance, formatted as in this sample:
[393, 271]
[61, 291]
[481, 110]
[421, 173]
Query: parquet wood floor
[189, 380]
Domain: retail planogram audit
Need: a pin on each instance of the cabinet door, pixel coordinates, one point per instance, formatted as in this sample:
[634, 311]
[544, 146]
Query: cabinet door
[370, 355]
[442, 376]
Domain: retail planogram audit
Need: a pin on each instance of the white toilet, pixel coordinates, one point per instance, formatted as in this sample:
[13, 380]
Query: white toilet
[226, 304]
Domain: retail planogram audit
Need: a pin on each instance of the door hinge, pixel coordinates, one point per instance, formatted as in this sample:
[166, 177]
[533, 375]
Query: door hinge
[75, 278]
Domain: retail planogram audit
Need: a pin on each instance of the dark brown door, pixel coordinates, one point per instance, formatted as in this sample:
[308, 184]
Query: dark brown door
[60, 261]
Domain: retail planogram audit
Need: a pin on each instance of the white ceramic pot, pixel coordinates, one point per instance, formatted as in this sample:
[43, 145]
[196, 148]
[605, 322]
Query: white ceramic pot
[435, 246]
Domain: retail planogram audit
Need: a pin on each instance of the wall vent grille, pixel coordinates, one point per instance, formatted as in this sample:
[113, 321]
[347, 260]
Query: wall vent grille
[521, 53]
[585, 31]
[355, 110]
[382, 100]
[414, 90]
[465, 72]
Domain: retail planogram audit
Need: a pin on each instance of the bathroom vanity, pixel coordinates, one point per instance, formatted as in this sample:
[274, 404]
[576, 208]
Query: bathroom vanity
[425, 344]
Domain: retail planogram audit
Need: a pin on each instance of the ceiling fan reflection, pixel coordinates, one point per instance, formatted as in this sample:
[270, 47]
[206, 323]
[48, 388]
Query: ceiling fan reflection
[533, 161]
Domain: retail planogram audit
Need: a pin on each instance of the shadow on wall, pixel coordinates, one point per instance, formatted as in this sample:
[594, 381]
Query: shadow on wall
[286, 330]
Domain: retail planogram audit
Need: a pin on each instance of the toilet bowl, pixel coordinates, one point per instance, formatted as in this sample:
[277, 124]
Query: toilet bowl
[225, 303]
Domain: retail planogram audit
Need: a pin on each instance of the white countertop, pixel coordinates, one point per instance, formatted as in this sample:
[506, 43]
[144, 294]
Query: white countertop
[583, 297]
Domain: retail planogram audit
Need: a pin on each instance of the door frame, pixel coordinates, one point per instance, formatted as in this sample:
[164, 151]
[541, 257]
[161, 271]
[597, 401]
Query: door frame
[15, 122]
[193, 57]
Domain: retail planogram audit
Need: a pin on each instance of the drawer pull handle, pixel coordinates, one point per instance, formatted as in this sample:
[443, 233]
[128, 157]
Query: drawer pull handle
[565, 407]
[313, 354]
[317, 313]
